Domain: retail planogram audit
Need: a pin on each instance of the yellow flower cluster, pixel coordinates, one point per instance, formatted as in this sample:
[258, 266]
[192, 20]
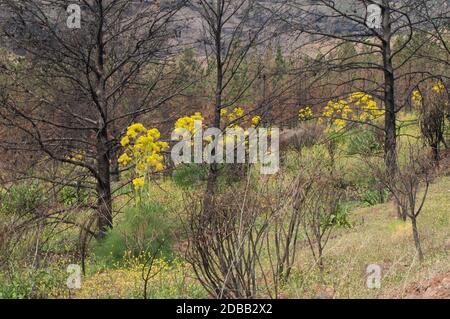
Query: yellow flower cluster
[358, 107]
[256, 120]
[138, 182]
[339, 112]
[438, 87]
[233, 119]
[232, 115]
[77, 157]
[416, 97]
[188, 122]
[365, 107]
[235, 115]
[305, 113]
[143, 150]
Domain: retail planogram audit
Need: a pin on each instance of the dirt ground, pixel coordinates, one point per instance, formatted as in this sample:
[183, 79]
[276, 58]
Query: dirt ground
[436, 288]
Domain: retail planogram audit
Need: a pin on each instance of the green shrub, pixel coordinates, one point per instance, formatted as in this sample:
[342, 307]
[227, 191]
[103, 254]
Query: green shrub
[339, 218]
[142, 229]
[364, 141]
[194, 175]
[22, 198]
[363, 186]
[33, 284]
[372, 196]
[190, 175]
[70, 195]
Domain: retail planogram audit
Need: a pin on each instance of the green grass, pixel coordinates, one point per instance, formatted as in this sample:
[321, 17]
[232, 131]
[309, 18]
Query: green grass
[376, 237]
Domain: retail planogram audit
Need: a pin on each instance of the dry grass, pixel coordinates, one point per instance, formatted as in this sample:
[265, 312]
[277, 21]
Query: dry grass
[378, 238]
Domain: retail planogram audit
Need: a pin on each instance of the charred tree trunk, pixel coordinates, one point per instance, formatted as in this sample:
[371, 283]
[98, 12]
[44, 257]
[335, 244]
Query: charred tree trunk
[115, 169]
[104, 201]
[436, 152]
[103, 148]
[416, 238]
[390, 146]
[214, 169]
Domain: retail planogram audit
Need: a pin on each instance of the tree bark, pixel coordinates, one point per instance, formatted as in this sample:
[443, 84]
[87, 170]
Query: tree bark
[213, 171]
[104, 202]
[436, 152]
[390, 146]
[416, 238]
[115, 169]
[320, 257]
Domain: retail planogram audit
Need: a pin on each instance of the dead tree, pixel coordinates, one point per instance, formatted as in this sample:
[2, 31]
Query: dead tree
[375, 65]
[226, 252]
[432, 119]
[77, 90]
[249, 246]
[413, 177]
[233, 30]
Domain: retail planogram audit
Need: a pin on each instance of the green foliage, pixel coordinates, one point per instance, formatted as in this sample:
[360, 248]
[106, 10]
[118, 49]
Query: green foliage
[70, 195]
[33, 284]
[339, 218]
[447, 128]
[145, 228]
[364, 189]
[347, 51]
[372, 196]
[364, 141]
[281, 66]
[22, 198]
[188, 70]
[190, 175]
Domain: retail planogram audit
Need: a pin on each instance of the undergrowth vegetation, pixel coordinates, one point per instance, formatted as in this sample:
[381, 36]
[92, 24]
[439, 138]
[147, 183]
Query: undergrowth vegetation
[282, 149]
[351, 228]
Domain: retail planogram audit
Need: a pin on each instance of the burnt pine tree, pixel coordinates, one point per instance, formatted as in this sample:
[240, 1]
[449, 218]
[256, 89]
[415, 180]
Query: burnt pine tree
[232, 31]
[375, 67]
[77, 90]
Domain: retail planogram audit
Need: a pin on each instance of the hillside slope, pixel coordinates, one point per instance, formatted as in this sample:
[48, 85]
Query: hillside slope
[377, 237]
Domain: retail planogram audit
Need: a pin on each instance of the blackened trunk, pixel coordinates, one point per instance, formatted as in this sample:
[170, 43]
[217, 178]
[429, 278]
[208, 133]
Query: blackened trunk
[213, 172]
[115, 169]
[390, 145]
[103, 148]
[436, 152]
[416, 238]
[104, 202]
